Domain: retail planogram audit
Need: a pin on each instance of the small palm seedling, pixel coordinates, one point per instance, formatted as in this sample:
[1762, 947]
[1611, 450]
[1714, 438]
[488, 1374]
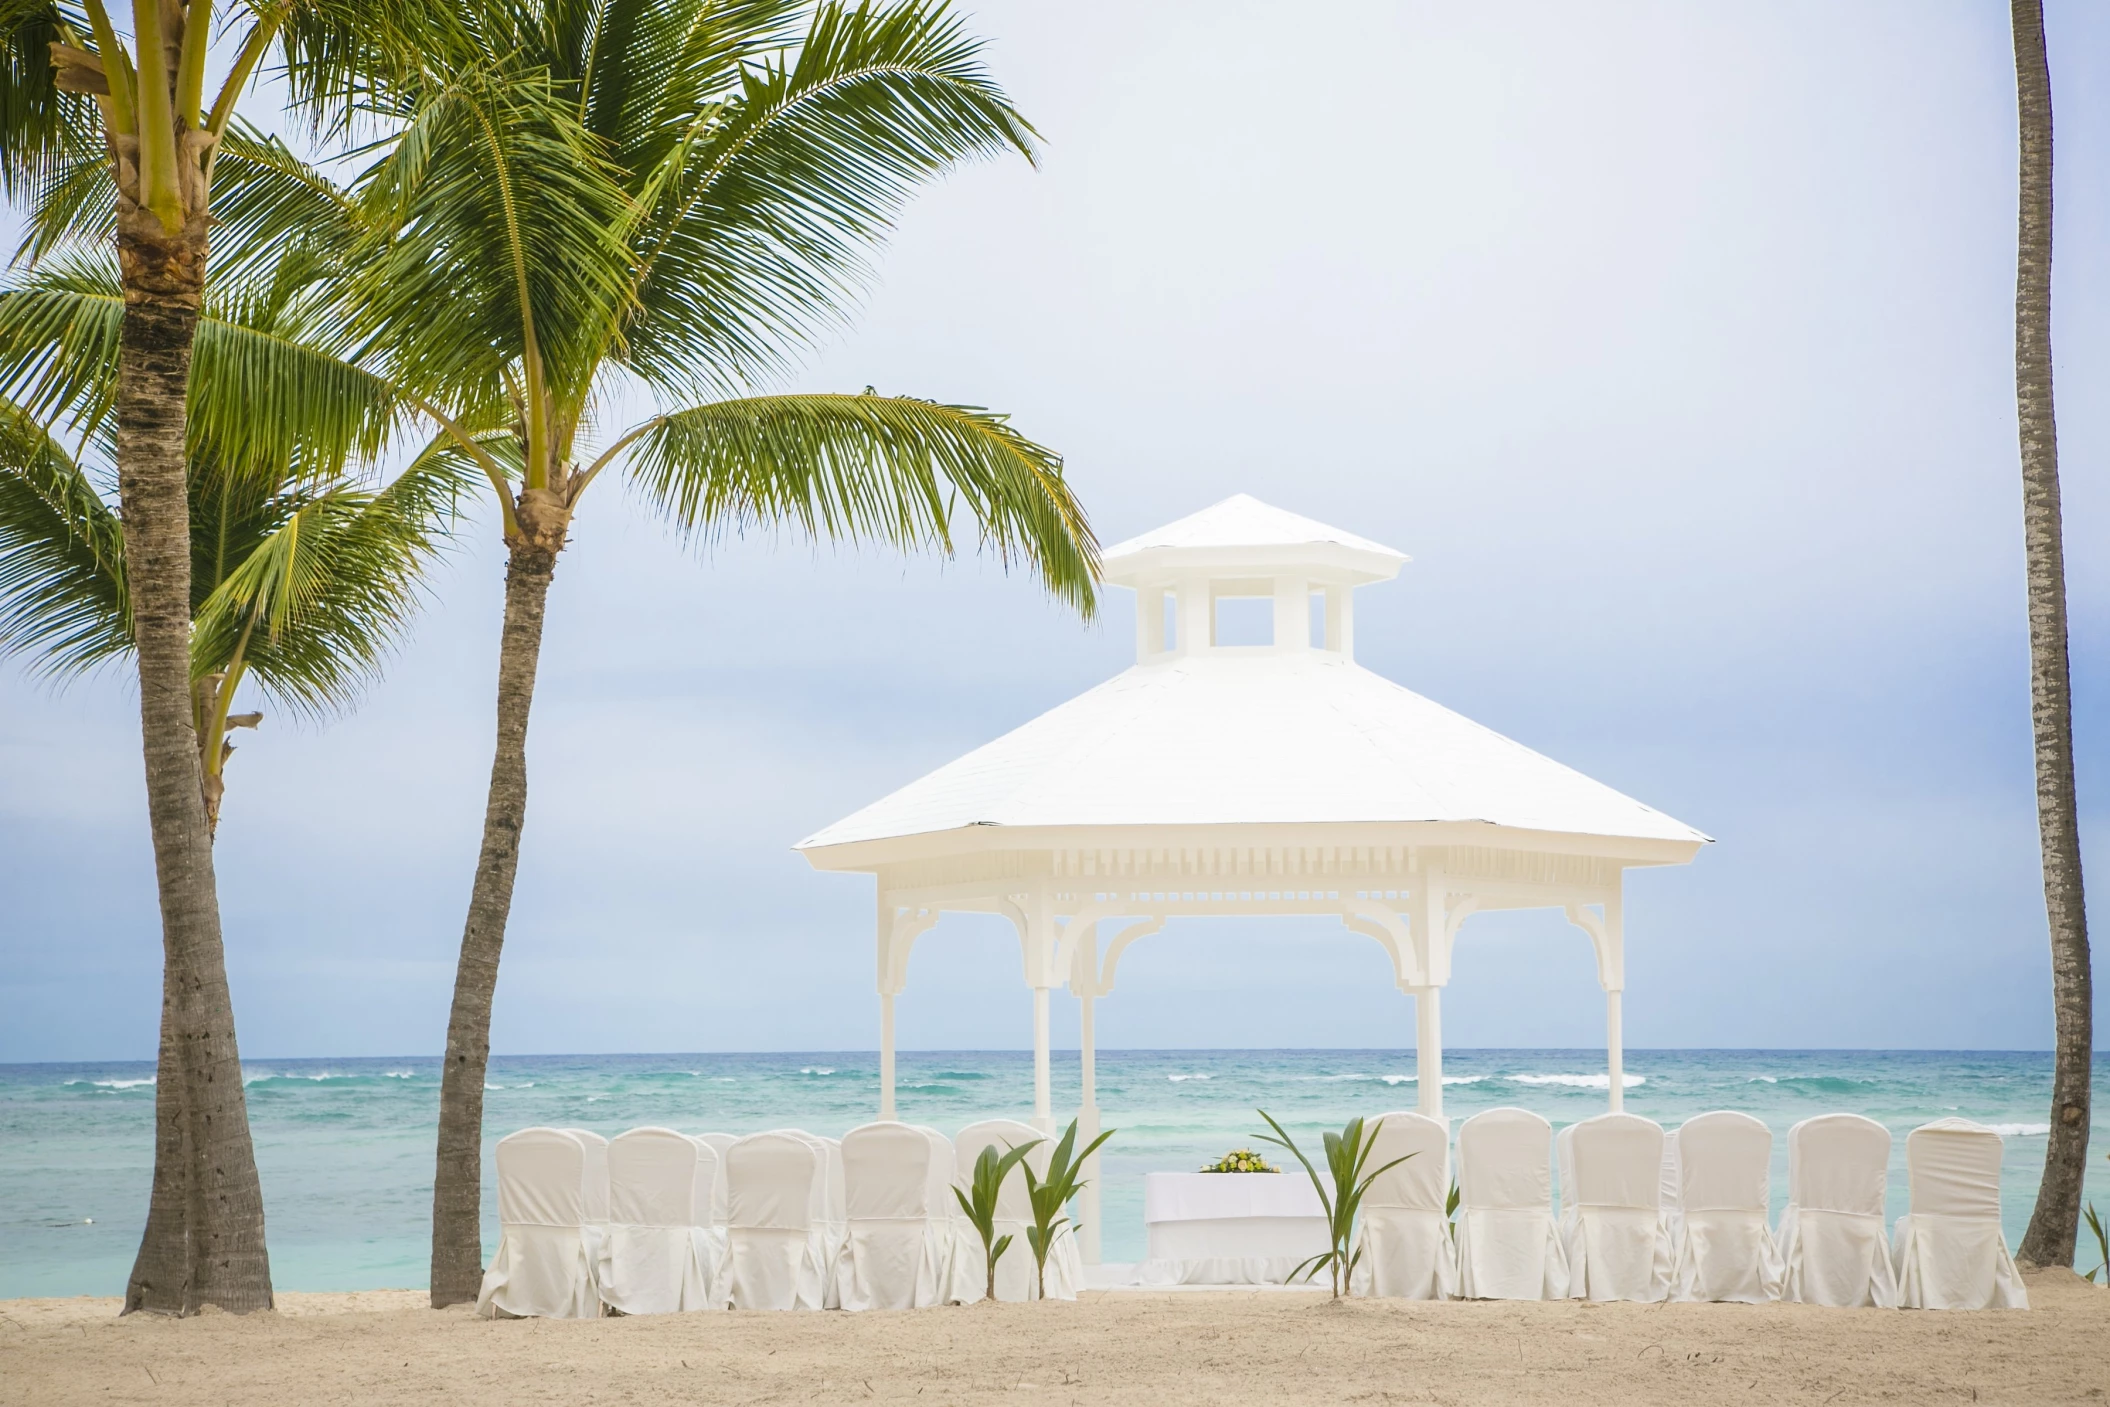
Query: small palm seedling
[1050, 1195]
[979, 1202]
[1450, 1210]
[1346, 1152]
[2102, 1246]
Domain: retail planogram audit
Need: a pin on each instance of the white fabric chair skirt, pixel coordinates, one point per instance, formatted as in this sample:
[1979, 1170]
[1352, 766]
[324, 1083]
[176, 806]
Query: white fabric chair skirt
[1613, 1230]
[777, 1247]
[899, 1247]
[1948, 1251]
[1720, 1170]
[1015, 1278]
[1509, 1247]
[661, 1254]
[1404, 1248]
[1229, 1228]
[1832, 1247]
[549, 1243]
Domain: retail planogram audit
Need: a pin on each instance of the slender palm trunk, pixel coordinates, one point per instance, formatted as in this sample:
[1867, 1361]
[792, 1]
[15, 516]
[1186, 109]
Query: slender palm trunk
[205, 1228]
[457, 1182]
[2055, 1222]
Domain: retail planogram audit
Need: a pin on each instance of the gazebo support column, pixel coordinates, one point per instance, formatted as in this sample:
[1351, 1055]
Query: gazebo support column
[1615, 1053]
[1087, 1130]
[886, 1055]
[1043, 1088]
[1428, 1051]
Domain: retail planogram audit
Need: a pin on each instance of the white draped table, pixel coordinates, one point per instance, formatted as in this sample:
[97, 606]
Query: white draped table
[1229, 1228]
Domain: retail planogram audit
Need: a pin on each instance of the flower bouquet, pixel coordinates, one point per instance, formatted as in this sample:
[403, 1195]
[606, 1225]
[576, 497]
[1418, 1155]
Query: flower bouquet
[1241, 1160]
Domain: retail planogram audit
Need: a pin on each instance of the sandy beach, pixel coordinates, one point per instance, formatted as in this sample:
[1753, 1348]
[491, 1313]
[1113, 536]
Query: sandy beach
[1161, 1349]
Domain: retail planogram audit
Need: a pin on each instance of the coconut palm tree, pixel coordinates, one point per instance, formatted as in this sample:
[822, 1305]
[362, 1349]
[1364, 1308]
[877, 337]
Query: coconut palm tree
[2054, 1225]
[75, 91]
[588, 202]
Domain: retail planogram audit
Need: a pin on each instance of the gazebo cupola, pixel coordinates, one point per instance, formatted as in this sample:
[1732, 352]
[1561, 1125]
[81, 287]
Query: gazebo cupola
[1242, 548]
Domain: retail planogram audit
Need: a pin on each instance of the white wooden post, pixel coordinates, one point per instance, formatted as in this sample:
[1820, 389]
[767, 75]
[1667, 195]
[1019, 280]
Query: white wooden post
[886, 1055]
[1428, 1051]
[1613, 974]
[1043, 1098]
[1088, 1099]
[1431, 936]
[1292, 613]
[1614, 1055]
[1196, 627]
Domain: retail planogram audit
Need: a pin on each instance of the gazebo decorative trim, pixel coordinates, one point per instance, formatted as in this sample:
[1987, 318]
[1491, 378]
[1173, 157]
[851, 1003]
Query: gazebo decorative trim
[1269, 780]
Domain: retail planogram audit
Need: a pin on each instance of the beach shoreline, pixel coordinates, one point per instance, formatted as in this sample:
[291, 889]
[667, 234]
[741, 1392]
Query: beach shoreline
[384, 1346]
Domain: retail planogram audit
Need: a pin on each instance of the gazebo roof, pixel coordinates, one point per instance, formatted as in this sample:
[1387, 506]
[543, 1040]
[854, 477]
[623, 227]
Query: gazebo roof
[1244, 535]
[1252, 737]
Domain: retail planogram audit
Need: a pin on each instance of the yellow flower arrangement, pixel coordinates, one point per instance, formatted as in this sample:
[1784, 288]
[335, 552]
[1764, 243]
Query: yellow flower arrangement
[1241, 1160]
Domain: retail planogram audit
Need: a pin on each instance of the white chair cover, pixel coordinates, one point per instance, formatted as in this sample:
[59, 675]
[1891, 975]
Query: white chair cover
[661, 1255]
[898, 1189]
[1831, 1234]
[1948, 1250]
[1612, 1224]
[776, 1240]
[1404, 1241]
[1014, 1213]
[1673, 1213]
[718, 1143]
[548, 1244]
[1508, 1245]
[1725, 1250]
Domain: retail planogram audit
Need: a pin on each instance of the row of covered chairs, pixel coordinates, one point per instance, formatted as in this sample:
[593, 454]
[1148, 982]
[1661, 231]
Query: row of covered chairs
[1652, 1216]
[659, 1222]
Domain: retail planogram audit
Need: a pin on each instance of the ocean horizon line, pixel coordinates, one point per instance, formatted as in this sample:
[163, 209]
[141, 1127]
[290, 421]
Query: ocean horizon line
[838, 1052]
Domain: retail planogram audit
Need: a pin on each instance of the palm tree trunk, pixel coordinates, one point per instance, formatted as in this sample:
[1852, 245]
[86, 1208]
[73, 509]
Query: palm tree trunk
[161, 1274]
[218, 1238]
[457, 1181]
[2055, 1222]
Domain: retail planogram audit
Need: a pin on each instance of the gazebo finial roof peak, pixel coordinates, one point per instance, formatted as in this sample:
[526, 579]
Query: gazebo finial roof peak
[1243, 537]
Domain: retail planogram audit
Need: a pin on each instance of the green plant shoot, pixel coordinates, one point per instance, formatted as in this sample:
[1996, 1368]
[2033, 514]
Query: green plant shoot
[979, 1202]
[1346, 1152]
[1050, 1195]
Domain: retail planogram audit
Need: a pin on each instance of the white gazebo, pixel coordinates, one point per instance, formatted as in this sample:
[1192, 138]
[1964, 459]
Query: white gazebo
[1272, 779]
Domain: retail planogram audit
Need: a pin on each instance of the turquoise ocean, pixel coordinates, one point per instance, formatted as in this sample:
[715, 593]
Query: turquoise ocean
[345, 1146]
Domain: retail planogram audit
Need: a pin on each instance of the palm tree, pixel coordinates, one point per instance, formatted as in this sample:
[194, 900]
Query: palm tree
[73, 92]
[2055, 1222]
[664, 197]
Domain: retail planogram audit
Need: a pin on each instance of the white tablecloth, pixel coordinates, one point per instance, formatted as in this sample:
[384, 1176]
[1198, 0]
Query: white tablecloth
[1229, 1228]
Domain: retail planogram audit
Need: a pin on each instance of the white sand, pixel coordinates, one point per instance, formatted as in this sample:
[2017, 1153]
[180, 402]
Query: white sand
[1162, 1350]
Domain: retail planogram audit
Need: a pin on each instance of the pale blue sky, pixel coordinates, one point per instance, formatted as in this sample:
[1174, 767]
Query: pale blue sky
[1672, 341]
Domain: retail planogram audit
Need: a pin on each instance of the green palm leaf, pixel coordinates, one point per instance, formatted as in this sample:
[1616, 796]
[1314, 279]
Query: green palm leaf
[269, 390]
[759, 226]
[887, 468]
[323, 585]
[504, 259]
[62, 594]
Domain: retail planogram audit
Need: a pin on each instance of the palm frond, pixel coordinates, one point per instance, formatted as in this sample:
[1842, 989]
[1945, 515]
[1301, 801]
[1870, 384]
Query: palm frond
[317, 602]
[888, 468]
[62, 591]
[648, 70]
[73, 204]
[758, 229]
[267, 390]
[40, 126]
[266, 198]
[58, 342]
[505, 237]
